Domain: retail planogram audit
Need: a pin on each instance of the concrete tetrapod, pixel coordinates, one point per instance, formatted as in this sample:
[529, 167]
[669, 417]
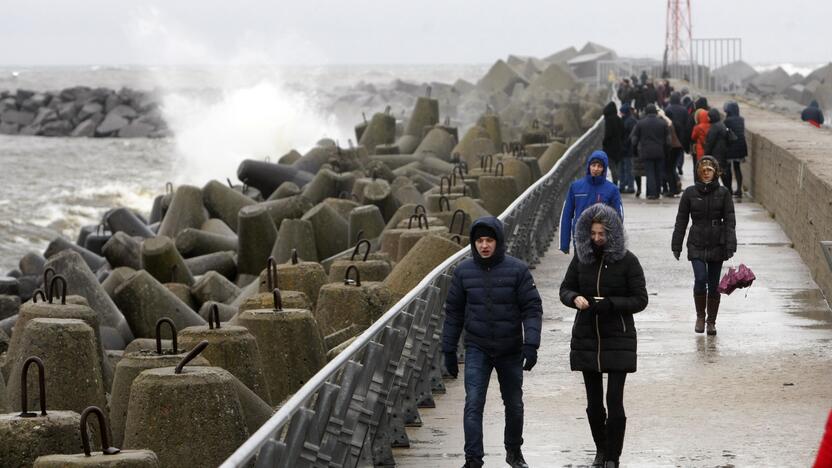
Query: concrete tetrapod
[381, 130]
[217, 226]
[325, 184]
[268, 281]
[426, 255]
[286, 190]
[27, 435]
[342, 206]
[144, 301]
[115, 330]
[378, 192]
[67, 348]
[183, 412]
[267, 177]
[370, 270]
[212, 286]
[186, 211]
[124, 220]
[331, 230]
[305, 277]
[437, 142]
[410, 238]
[123, 251]
[223, 263]
[367, 219]
[32, 264]
[256, 236]
[183, 293]
[350, 302]
[498, 192]
[297, 235]
[316, 157]
[161, 259]
[115, 278]
[551, 156]
[167, 353]
[290, 341]
[425, 114]
[223, 202]
[60, 244]
[195, 242]
[231, 347]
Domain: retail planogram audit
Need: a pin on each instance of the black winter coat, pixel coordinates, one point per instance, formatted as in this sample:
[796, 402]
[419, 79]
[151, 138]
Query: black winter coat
[604, 341]
[651, 136]
[737, 149]
[495, 300]
[629, 123]
[682, 123]
[716, 141]
[712, 235]
[613, 133]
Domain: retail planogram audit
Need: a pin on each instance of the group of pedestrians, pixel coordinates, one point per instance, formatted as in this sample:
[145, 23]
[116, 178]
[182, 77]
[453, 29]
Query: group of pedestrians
[649, 137]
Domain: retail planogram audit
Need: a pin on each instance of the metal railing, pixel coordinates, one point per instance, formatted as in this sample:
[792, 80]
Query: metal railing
[354, 410]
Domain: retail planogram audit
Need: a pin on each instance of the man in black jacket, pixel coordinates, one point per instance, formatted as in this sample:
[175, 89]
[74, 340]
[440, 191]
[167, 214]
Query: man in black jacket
[651, 137]
[682, 124]
[494, 298]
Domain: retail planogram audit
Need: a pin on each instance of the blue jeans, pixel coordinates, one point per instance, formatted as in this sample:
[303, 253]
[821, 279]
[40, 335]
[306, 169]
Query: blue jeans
[706, 276]
[653, 169]
[478, 367]
[625, 174]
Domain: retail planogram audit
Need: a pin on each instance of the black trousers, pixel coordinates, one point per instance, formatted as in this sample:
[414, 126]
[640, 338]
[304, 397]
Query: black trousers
[594, 383]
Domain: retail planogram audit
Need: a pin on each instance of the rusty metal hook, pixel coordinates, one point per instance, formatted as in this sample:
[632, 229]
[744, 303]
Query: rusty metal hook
[441, 185]
[159, 335]
[499, 170]
[102, 428]
[63, 288]
[46, 280]
[464, 166]
[357, 280]
[214, 315]
[360, 235]
[447, 203]
[294, 256]
[457, 238]
[230, 185]
[424, 216]
[456, 156]
[188, 357]
[277, 300]
[418, 207]
[169, 187]
[410, 220]
[427, 92]
[490, 160]
[24, 387]
[458, 169]
[357, 248]
[35, 296]
[453, 219]
[271, 273]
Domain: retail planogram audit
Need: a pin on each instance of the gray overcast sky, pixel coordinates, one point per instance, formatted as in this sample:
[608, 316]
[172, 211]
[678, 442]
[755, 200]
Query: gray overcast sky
[58, 32]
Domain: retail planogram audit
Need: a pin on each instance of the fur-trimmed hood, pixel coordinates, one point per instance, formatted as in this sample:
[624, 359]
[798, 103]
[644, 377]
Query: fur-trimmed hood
[616, 247]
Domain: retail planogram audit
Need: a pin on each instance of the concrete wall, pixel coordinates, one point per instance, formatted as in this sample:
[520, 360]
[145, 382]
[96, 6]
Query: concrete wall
[791, 176]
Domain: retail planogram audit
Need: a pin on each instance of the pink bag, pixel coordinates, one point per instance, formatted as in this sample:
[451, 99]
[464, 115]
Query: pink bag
[741, 277]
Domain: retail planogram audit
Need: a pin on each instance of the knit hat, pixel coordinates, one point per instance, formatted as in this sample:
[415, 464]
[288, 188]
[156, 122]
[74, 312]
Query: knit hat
[483, 231]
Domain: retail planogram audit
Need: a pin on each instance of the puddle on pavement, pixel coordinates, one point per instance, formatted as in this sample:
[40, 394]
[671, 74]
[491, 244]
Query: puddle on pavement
[810, 304]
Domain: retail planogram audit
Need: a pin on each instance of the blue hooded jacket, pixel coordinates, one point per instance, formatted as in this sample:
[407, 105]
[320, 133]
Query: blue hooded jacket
[495, 300]
[584, 193]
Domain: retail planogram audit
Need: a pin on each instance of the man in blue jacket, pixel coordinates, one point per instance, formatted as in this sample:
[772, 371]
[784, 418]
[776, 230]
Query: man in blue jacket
[494, 298]
[591, 189]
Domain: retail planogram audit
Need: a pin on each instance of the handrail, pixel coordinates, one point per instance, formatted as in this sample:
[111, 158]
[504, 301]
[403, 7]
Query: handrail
[528, 219]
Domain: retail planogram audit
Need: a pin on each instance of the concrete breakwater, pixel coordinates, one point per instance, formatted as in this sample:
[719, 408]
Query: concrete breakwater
[275, 275]
[82, 112]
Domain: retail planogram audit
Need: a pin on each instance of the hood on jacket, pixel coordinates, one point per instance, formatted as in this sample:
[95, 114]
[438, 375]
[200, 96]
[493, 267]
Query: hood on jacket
[601, 156]
[701, 103]
[616, 246]
[702, 117]
[713, 184]
[500, 252]
[814, 104]
[713, 116]
[675, 97]
[732, 109]
[610, 110]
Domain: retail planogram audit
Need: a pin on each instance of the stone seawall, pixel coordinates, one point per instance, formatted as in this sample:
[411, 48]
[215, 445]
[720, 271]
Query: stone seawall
[791, 175]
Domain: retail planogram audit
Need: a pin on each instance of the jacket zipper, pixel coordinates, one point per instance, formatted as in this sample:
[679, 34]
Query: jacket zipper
[623, 325]
[597, 328]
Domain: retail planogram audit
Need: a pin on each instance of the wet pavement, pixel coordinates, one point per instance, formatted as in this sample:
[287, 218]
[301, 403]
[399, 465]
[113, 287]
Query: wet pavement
[757, 394]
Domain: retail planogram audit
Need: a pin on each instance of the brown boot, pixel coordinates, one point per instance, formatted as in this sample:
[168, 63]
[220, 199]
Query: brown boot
[700, 301]
[713, 309]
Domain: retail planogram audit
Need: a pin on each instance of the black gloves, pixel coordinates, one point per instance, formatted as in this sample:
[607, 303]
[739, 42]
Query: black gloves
[529, 357]
[603, 306]
[451, 364]
[676, 254]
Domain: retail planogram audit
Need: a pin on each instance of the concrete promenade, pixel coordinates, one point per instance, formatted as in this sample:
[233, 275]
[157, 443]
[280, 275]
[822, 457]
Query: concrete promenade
[757, 394]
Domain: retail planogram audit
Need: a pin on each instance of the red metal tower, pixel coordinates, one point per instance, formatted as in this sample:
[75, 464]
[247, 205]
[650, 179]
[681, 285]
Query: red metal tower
[678, 33]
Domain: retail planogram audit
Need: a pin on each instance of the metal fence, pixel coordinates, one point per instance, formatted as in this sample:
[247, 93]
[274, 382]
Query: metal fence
[355, 409]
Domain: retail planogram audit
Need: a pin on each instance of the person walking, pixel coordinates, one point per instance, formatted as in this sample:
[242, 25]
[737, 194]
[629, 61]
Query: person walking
[591, 188]
[670, 179]
[698, 136]
[613, 136]
[605, 283]
[716, 145]
[625, 181]
[737, 146]
[652, 137]
[682, 124]
[712, 238]
[492, 297]
[812, 114]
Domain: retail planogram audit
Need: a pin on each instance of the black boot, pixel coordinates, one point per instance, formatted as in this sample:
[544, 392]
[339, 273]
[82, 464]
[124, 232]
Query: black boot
[597, 421]
[615, 440]
[514, 458]
[473, 463]
[713, 310]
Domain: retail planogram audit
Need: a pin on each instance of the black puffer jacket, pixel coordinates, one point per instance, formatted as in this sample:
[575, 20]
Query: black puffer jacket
[737, 149]
[716, 141]
[712, 236]
[604, 342]
[494, 299]
[613, 133]
[651, 137]
[682, 121]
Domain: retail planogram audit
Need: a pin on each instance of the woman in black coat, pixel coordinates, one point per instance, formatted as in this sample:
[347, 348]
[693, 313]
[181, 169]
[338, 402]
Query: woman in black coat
[712, 238]
[613, 138]
[737, 147]
[605, 283]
